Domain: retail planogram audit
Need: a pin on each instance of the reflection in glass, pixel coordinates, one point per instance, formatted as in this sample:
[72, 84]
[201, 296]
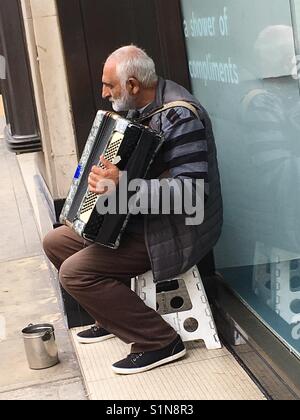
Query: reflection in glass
[256, 124]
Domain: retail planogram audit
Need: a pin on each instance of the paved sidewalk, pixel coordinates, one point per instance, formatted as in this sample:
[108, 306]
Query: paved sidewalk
[27, 295]
[202, 375]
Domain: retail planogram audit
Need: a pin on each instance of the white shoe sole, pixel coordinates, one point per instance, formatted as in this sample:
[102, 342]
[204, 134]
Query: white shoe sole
[94, 340]
[120, 371]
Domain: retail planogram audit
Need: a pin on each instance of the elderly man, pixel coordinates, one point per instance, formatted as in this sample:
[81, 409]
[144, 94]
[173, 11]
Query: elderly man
[99, 278]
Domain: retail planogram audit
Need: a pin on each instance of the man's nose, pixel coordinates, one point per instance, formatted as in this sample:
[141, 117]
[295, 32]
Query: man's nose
[105, 92]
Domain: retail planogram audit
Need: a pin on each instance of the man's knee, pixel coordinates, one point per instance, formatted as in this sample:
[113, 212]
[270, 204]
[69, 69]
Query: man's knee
[70, 274]
[53, 244]
[50, 242]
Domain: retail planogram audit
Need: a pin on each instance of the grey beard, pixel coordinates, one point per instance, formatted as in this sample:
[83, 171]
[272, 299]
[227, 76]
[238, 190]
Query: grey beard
[125, 103]
[118, 106]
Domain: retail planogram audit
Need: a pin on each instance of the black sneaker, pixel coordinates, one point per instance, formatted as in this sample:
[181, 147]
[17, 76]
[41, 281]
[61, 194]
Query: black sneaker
[93, 335]
[141, 362]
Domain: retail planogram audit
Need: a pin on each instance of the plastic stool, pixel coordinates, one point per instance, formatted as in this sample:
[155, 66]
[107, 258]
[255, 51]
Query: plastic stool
[183, 303]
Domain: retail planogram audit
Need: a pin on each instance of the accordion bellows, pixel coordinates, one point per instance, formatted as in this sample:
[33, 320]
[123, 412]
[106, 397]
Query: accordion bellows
[133, 148]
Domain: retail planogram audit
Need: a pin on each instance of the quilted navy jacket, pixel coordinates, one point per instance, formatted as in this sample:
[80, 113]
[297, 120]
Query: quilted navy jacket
[189, 151]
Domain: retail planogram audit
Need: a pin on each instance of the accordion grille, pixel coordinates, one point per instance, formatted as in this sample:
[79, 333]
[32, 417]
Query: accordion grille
[110, 155]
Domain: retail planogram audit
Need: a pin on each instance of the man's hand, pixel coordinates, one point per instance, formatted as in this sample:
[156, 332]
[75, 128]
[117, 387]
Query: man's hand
[103, 181]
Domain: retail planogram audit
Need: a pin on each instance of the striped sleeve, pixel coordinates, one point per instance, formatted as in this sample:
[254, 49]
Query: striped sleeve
[186, 148]
[185, 155]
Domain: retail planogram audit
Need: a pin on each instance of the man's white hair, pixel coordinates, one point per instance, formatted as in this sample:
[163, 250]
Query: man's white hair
[134, 62]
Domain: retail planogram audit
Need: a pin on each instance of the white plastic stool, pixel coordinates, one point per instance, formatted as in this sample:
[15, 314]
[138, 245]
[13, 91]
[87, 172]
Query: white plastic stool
[183, 303]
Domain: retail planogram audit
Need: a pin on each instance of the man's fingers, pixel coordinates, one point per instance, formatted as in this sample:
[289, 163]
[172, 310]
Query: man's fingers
[98, 171]
[109, 176]
[103, 173]
[106, 163]
[97, 189]
[95, 178]
[92, 183]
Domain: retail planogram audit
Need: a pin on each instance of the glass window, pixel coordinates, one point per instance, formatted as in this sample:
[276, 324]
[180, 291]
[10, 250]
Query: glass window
[243, 61]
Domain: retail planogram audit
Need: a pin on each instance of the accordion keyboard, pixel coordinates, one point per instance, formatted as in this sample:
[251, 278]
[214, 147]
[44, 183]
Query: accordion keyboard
[110, 154]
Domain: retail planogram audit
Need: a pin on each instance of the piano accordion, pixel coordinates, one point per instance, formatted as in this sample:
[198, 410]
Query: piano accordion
[133, 148]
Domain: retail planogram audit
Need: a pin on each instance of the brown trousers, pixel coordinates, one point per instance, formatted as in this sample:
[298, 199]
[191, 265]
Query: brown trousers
[99, 279]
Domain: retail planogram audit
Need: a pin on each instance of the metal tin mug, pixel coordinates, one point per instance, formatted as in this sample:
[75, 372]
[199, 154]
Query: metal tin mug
[40, 346]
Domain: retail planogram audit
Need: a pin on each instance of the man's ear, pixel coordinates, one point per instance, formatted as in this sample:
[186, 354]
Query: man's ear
[133, 86]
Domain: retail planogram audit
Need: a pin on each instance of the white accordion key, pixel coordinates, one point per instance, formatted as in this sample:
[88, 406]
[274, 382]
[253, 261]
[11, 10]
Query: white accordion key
[116, 160]
[116, 138]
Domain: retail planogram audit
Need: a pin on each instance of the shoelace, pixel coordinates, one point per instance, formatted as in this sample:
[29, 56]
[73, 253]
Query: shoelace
[135, 356]
[95, 328]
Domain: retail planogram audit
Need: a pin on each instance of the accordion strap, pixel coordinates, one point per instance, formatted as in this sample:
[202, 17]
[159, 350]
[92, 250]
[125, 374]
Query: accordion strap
[170, 105]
